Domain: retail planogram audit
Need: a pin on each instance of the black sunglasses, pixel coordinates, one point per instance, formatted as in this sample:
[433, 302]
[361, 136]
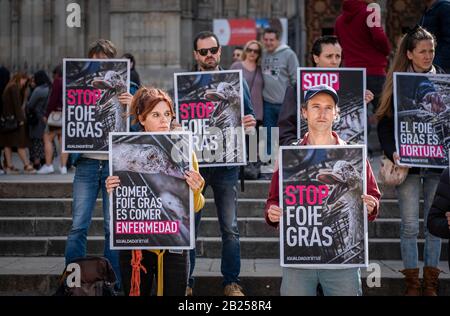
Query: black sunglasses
[250, 50]
[204, 51]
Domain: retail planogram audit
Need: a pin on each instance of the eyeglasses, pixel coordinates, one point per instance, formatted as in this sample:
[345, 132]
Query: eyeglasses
[250, 50]
[204, 51]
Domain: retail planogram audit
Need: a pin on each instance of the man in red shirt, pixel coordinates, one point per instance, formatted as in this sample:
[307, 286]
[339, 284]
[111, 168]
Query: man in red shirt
[320, 111]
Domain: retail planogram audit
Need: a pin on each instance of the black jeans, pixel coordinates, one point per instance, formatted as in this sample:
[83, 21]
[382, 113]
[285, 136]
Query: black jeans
[375, 84]
[175, 266]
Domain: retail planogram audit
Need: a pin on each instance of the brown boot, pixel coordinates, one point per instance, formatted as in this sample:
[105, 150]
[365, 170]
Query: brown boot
[430, 281]
[412, 282]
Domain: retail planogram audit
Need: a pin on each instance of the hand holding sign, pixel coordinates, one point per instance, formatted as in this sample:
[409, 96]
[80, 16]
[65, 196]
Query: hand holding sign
[436, 104]
[112, 182]
[274, 213]
[370, 202]
[125, 99]
[249, 123]
[448, 219]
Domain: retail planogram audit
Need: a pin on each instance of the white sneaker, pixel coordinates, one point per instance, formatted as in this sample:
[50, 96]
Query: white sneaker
[63, 170]
[46, 169]
[1, 171]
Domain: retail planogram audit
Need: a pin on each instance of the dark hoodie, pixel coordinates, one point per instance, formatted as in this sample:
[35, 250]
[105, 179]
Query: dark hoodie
[437, 220]
[436, 20]
[363, 46]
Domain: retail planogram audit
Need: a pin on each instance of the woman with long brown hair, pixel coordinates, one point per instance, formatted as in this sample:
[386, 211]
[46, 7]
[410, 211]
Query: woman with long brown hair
[415, 54]
[13, 105]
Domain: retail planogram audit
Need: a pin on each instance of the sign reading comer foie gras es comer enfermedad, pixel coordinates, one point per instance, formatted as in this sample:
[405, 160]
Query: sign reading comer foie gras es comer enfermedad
[91, 108]
[324, 219]
[152, 208]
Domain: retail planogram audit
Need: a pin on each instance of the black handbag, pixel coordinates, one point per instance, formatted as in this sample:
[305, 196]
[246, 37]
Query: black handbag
[96, 277]
[32, 118]
[252, 171]
[8, 124]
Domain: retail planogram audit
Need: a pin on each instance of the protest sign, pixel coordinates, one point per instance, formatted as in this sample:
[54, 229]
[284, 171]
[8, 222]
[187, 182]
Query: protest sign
[324, 220]
[350, 85]
[91, 108]
[211, 106]
[153, 206]
[422, 119]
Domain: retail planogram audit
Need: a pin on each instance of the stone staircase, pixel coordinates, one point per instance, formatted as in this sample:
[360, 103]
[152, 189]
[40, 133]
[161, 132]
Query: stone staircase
[35, 217]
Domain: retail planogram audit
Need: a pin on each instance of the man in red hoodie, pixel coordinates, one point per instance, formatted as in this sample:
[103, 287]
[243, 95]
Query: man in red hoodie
[364, 44]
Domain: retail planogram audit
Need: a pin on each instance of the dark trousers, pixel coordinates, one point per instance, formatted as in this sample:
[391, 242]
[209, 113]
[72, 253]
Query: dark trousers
[375, 84]
[175, 272]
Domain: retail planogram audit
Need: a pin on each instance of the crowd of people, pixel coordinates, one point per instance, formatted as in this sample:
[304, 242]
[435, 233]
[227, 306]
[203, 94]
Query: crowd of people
[270, 73]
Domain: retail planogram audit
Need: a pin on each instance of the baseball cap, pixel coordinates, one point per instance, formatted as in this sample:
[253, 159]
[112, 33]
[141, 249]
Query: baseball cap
[321, 88]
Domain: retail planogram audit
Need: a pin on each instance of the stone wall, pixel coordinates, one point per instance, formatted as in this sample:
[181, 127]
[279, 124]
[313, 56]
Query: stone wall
[34, 34]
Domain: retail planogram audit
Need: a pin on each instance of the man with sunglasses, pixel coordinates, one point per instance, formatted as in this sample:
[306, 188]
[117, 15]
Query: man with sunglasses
[223, 180]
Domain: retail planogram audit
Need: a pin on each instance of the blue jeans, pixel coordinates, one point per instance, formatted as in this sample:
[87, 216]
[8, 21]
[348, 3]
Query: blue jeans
[90, 176]
[334, 282]
[408, 197]
[271, 113]
[223, 182]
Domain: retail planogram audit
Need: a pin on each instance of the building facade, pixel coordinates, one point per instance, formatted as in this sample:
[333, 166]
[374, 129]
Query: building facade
[34, 33]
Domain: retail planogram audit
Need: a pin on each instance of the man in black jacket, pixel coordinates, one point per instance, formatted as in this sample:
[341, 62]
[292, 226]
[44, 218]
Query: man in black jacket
[436, 19]
[439, 217]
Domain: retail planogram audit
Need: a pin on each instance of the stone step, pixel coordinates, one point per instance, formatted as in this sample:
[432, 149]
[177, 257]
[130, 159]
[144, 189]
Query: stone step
[209, 227]
[259, 277]
[62, 207]
[63, 189]
[207, 247]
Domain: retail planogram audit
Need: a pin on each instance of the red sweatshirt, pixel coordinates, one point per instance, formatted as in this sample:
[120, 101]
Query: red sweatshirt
[371, 184]
[362, 46]
[55, 99]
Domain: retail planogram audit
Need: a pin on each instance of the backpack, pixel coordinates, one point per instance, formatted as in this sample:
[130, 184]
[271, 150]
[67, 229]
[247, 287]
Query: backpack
[97, 278]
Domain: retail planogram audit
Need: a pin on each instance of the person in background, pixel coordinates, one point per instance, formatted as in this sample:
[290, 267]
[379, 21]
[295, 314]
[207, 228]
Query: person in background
[250, 64]
[251, 70]
[438, 221]
[135, 80]
[153, 109]
[237, 54]
[4, 79]
[14, 96]
[436, 20]
[279, 66]
[365, 46]
[54, 104]
[36, 108]
[414, 55]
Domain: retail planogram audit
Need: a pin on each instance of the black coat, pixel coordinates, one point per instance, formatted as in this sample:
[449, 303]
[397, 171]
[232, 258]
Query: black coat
[287, 120]
[437, 221]
[437, 21]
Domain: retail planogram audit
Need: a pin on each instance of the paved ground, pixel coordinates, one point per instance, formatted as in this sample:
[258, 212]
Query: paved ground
[204, 267]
